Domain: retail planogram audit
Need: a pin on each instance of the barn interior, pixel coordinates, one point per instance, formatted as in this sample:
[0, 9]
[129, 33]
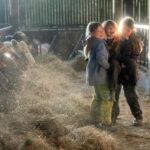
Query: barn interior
[44, 101]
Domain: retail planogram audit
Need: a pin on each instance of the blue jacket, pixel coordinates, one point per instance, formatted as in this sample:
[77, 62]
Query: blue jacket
[96, 69]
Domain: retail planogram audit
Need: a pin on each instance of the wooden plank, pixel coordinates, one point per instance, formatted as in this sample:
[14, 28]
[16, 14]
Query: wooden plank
[63, 12]
[2, 11]
[85, 12]
[14, 13]
[66, 12]
[69, 12]
[31, 12]
[51, 7]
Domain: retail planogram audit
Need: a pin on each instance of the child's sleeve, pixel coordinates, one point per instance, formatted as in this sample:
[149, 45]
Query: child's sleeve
[87, 47]
[102, 56]
[85, 52]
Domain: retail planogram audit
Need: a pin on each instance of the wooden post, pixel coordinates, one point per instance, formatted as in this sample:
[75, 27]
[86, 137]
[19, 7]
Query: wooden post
[14, 13]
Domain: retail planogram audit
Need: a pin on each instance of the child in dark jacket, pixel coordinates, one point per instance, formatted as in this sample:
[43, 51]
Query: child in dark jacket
[130, 49]
[113, 41]
[128, 59]
[96, 74]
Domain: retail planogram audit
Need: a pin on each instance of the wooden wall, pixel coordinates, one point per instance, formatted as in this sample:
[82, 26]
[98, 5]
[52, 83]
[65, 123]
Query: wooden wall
[34, 13]
[42, 13]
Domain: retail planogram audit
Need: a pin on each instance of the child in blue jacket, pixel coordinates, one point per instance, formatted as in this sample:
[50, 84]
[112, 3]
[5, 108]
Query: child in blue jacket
[96, 73]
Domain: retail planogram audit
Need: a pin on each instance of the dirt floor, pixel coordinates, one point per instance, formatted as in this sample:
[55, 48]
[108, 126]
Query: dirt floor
[52, 90]
[130, 137]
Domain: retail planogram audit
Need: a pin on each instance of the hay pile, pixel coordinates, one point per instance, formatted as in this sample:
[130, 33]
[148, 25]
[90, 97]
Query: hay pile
[14, 58]
[36, 143]
[88, 138]
[78, 63]
[52, 112]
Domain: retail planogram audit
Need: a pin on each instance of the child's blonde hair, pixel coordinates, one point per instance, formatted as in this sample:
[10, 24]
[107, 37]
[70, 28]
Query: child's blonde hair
[109, 23]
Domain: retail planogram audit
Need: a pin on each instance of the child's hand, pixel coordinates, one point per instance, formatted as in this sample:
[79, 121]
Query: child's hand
[123, 66]
[2, 65]
[86, 59]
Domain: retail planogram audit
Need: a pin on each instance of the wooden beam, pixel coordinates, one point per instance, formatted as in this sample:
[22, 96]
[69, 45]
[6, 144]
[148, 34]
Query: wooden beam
[5, 30]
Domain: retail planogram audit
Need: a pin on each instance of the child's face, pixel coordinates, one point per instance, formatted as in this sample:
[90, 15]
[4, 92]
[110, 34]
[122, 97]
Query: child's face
[110, 32]
[99, 33]
[126, 32]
